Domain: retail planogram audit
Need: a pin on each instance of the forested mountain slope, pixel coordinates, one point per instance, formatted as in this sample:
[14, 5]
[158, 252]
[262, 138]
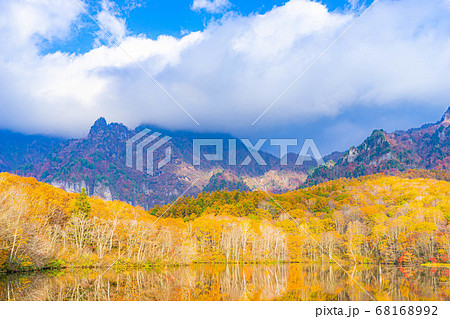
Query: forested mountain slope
[97, 162]
[427, 147]
[20, 151]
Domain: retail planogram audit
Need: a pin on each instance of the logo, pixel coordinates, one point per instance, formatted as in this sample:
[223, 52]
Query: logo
[253, 151]
[145, 144]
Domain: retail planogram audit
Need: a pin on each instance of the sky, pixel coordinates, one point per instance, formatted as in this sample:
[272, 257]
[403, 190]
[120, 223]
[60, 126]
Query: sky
[217, 65]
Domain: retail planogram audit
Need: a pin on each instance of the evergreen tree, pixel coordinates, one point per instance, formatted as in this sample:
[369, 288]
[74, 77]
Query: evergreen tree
[82, 205]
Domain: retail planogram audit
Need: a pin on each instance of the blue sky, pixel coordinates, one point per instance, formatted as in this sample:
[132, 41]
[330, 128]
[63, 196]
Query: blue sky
[224, 62]
[172, 17]
[156, 17]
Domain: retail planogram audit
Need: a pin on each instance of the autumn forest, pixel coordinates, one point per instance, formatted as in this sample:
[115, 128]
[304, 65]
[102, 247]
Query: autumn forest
[370, 220]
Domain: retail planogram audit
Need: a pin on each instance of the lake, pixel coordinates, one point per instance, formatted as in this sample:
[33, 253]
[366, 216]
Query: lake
[233, 282]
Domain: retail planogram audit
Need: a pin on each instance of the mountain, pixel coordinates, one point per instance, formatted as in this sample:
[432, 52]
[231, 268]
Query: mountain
[427, 147]
[226, 180]
[97, 163]
[18, 149]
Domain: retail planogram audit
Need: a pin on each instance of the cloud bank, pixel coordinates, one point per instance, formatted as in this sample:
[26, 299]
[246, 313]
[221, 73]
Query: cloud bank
[225, 75]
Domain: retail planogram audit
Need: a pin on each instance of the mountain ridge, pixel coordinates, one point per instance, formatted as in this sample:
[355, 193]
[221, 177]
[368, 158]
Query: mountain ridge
[426, 147]
[97, 162]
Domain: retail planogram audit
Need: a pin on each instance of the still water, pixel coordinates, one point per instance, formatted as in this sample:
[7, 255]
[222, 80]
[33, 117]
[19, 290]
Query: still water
[234, 282]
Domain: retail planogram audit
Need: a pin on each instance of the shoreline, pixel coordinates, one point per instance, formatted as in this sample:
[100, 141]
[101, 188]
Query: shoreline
[156, 266]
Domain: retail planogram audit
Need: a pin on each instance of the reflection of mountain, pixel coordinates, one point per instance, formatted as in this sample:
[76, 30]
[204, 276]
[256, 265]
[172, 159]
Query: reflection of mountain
[312, 282]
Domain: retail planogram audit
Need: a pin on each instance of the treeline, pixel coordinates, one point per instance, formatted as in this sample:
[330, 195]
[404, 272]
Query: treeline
[370, 219]
[423, 173]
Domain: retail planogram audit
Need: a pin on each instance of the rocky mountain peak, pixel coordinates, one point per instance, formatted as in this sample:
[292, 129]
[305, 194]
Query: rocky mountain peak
[446, 116]
[100, 125]
[101, 128]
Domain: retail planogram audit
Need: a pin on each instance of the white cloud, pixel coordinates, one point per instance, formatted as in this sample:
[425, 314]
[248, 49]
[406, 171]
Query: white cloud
[110, 21]
[353, 3]
[24, 22]
[275, 33]
[211, 6]
[226, 75]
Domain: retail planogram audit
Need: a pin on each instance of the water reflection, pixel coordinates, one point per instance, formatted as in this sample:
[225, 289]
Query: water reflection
[233, 282]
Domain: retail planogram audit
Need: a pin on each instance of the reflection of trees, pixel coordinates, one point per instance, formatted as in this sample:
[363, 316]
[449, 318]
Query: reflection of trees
[233, 282]
[253, 282]
[329, 282]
